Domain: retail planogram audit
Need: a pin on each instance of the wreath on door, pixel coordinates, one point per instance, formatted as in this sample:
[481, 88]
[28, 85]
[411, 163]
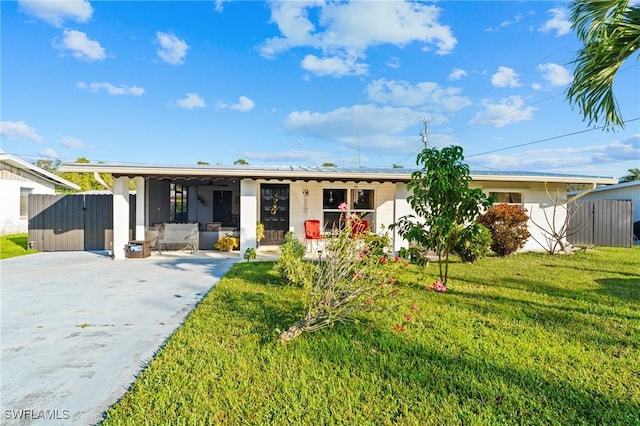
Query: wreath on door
[274, 204]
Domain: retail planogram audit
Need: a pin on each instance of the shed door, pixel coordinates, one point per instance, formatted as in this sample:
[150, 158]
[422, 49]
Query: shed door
[274, 212]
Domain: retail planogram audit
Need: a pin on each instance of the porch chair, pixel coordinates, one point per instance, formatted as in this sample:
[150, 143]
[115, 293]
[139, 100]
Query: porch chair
[359, 227]
[312, 233]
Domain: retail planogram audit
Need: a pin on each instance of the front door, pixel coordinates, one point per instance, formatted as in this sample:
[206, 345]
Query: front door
[274, 212]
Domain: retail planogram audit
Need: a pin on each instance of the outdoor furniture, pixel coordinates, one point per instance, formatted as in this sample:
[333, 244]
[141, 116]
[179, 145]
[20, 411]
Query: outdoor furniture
[312, 234]
[359, 227]
[184, 235]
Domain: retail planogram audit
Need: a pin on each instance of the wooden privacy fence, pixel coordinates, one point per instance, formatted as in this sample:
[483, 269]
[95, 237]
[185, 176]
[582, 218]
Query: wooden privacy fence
[601, 223]
[73, 221]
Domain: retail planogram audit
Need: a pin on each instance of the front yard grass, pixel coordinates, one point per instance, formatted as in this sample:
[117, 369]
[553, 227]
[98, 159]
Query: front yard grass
[14, 245]
[528, 339]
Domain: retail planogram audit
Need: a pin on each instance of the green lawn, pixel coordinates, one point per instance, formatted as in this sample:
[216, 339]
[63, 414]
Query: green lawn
[529, 339]
[14, 245]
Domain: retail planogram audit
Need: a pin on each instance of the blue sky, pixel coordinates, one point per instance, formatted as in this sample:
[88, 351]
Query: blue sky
[303, 83]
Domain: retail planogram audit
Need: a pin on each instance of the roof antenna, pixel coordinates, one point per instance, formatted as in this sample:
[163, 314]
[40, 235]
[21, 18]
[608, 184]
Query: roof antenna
[425, 134]
[356, 132]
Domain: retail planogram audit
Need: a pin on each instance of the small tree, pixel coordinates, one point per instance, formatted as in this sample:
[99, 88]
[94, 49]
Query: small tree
[241, 162]
[352, 277]
[441, 197]
[554, 236]
[508, 226]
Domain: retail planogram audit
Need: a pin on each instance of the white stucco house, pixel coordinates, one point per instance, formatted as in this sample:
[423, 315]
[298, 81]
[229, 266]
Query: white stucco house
[282, 198]
[19, 179]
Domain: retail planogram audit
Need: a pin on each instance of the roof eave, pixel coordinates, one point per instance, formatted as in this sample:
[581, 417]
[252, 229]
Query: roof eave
[35, 170]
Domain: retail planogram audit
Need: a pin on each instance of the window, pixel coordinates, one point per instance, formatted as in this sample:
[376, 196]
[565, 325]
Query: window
[507, 197]
[359, 201]
[24, 202]
[178, 203]
[331, 199]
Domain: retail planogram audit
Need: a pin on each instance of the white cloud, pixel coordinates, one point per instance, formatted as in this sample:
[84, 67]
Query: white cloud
[457, 74]
[346, 30]
[507, 111]
[424, 94]
[287, 157]
[393, 62]
[244, 104]
[555, 74]
[191, 101]
[172, 50]
[80, 46]
[111, 89]
[336, 66]
[219, 5]
[559, 22]
[72, 143]
[580, 160]
[57, 12]
[375, 125]
[507, 22]
[18, 130]
[505, 77]
[49, 152]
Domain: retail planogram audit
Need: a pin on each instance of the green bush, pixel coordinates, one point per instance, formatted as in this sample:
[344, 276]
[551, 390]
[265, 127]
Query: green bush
[291, 267]
[473, 242]
[227, 243]
[415, 254]
[508, 226]
[376, 244]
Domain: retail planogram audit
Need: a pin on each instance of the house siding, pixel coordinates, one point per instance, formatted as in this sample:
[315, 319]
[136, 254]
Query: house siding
[12, 179]
[539, 202]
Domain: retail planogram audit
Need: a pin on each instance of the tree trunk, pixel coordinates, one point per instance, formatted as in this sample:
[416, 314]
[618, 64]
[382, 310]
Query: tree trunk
[288, 335]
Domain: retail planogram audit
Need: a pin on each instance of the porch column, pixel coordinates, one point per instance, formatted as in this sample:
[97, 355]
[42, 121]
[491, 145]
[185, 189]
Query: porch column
[120, 216]
[248, 214]
[140, 207]
[401, 208]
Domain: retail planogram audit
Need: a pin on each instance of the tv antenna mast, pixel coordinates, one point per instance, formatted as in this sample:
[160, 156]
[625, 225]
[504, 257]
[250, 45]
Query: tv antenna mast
[425, 134]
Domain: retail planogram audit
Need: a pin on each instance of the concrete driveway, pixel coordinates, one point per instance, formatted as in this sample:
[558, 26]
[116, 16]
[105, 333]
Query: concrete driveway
[77, 327]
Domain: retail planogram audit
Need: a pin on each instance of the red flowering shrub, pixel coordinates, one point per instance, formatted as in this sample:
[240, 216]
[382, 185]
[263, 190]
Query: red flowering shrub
[508, 226]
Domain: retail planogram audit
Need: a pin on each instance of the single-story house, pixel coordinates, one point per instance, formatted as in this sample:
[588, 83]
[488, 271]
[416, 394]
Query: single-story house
[283, 197]
[18, 179]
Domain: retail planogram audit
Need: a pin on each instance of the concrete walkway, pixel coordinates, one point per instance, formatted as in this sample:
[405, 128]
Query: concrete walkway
[77, 327]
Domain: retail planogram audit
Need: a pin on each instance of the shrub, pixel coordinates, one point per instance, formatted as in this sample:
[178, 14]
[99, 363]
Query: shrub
[377, 245]
[415, 254]
[227, 243]
[249, 254]
[350, 279]
[508, 226]
[473, 242]
[290, 266]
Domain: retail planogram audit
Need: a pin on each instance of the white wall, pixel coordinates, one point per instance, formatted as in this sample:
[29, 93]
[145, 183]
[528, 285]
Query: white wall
[302, 208]
[11, 180]
[537, 203]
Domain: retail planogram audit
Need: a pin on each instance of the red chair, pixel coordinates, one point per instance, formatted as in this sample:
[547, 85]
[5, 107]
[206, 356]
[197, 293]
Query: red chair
[312, 233]
[359, 227]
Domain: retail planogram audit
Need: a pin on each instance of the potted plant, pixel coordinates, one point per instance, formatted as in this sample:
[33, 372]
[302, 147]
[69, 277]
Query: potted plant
[227, 243]
[259, 233]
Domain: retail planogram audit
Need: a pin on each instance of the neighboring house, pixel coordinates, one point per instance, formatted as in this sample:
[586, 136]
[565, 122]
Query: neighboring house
[19, 179]
[282, 198]
[620, 191]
